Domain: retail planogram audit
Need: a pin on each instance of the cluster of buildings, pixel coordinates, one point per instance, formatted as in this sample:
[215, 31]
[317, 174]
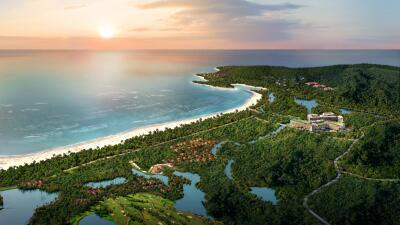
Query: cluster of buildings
[33, 184]
[158, 168]
[196, 150]
[320, 86]
[327, 121]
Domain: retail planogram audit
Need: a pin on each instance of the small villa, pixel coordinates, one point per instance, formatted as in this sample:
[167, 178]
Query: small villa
[157, 169]
[320, 86]
[327, 121]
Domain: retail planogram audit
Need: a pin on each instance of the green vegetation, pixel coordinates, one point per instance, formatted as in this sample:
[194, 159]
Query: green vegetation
[375, 88]
[294, 163]
[355, 201]
[148, 209]
[378, 153]
[293, 158]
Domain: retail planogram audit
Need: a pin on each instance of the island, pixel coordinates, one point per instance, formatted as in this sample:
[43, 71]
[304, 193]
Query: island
[321, 146]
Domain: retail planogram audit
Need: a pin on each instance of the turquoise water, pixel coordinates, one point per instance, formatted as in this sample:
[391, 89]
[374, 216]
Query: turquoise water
[56, 98]
[265, 194]
[193, 198]
[106, 183]
[160, 177]
[19, 205]
[228, 169]
[95, 220]
[309, 104]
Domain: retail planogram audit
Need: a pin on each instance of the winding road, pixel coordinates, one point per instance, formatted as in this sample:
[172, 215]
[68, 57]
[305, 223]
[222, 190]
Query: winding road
[340, 172]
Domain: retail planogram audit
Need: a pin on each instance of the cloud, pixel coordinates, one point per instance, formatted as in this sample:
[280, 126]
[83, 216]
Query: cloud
[139, 29]
[230, 19]
[72, 7]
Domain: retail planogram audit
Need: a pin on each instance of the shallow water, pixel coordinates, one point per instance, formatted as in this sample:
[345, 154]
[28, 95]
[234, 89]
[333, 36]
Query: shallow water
[193, 198]
[309, 104]
[216, 147]
[265, 194]
[19, 205]
[345, 111]
[160, 177]
[271, 97]
[228, 169]
[55, 98]
[106, 183]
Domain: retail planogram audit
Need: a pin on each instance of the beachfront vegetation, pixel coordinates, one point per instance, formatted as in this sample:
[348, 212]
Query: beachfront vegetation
[361, 86]
[292, 162]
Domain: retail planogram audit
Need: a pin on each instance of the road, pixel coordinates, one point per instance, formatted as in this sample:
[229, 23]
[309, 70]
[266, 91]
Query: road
[340, 172]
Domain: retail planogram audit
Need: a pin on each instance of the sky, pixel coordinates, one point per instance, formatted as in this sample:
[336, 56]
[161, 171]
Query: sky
[199, 24]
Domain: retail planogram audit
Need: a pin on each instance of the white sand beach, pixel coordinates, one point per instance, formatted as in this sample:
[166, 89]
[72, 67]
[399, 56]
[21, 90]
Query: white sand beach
[17, 160]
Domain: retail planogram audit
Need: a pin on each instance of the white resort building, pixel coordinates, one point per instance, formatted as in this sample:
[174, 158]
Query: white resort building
[327, 121]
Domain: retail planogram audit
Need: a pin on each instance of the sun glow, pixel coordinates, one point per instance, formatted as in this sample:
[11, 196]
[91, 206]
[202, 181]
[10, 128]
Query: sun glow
[106, 32]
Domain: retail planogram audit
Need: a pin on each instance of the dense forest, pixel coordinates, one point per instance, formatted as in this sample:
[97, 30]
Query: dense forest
[361, 86]
[355, 201]
[290, 162]
[378, 154]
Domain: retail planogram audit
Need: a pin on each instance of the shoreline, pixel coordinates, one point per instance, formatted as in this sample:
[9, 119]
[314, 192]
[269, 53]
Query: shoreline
[8, 161]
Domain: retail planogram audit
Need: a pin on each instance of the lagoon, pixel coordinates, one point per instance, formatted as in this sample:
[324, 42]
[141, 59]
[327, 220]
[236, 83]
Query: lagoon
[193, 198]
[345, 111]
[20, 205]
[106, 183]
[160, 177]
[309, 104]
[228, 169]
[265, 194]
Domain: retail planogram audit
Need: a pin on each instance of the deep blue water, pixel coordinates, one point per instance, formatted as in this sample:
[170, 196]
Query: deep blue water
[55, 98]
[106, 183]
[19, 205]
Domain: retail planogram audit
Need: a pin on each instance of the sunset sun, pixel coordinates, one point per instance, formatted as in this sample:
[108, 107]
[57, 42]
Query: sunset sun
[106, 32]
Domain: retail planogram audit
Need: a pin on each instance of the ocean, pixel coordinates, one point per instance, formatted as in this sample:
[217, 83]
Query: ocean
[50, 99]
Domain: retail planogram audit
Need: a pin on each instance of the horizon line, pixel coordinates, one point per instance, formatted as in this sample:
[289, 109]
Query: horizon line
[203, 49]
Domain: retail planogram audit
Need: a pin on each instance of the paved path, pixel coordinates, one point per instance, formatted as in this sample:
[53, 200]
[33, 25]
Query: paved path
[158, 144]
